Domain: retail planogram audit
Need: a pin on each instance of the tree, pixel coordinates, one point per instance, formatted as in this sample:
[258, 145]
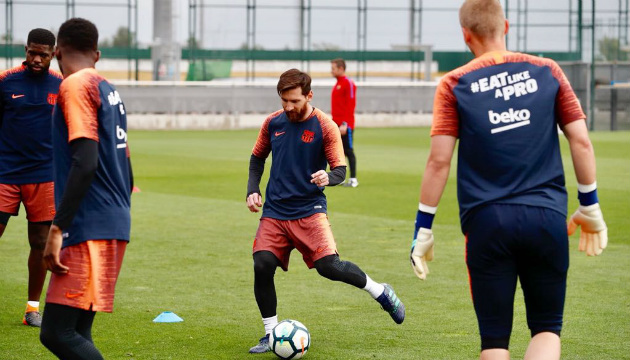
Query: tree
[192, 43]
[324, 46]
[119, 40]
[256, 47]
[610, 49]
[105, 43]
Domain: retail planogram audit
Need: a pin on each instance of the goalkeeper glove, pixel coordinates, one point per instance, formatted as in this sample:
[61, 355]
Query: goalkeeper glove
[421, 252]
[594, 235]
[422, 244]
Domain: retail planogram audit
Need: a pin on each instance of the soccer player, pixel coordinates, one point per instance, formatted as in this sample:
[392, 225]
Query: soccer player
[93, 183]
[505, 109]
[27, 96]
[303, 141]
[343, 101]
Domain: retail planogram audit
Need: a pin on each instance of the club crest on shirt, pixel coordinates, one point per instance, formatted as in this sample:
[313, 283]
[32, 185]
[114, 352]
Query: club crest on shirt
[308, 136]
[52, 98]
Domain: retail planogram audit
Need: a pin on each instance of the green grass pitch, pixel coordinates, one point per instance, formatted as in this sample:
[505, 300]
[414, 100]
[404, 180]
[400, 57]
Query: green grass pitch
[191, 254]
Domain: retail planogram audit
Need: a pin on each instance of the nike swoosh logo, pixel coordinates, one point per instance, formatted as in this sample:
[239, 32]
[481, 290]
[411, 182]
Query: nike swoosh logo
[280, 133]
[16, 96]
[70, 295]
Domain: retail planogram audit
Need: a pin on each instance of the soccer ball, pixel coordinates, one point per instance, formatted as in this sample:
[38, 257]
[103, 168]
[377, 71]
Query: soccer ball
[290, 339]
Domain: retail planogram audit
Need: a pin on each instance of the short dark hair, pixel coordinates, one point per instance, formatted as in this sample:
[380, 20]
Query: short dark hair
[292, 79]
[41, 36]
[79, 34]
[339, 62]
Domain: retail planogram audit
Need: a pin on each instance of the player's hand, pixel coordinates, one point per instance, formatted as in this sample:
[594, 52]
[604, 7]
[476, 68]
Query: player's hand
[320, 178]
[594, 235]
[343, 129]
[254, 201]
[52, 250]
[421, 252]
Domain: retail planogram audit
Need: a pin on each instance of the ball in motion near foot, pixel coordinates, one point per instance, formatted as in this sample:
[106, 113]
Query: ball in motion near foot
[290, 339]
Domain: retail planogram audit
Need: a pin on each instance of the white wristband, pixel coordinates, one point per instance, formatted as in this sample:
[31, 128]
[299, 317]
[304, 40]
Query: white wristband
[427, 209]
[587, 188]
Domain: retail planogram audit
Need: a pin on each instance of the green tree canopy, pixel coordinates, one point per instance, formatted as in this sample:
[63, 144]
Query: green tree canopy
[120, 39]
[610, 49]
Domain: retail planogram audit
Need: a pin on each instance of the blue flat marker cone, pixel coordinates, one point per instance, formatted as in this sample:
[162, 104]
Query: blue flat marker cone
[168, 317]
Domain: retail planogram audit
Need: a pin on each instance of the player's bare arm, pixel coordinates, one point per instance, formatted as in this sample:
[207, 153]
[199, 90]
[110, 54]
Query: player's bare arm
[433, 184]
[582, 152]
[437, 169]
[588, 216]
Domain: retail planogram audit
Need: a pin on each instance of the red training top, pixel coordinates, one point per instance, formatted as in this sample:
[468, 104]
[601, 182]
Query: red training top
[343, 101]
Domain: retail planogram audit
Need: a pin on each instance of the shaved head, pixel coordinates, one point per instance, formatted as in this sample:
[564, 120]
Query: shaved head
[484, 18]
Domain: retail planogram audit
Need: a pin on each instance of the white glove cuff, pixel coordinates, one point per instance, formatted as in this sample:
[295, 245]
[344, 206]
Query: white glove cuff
[589, 208]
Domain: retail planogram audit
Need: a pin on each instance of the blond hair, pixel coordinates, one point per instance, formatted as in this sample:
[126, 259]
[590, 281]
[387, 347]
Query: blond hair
[484, 18]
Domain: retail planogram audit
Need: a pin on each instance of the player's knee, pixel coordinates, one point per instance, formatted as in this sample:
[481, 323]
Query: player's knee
[535, 332]
[4, 220]
[38, 234]
[265, 263]
[38, 243]
[328, 266]
[49, 337]
[495, 343]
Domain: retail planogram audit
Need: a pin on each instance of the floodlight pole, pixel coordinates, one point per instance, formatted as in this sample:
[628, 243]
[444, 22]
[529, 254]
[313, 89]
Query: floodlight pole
[580, 28]
[507, 17]
[8, 42]
[305, 33]
[192, 30]
[250, 64]
[362, 8]
[70, 9]
[592, 97]
[415, 35]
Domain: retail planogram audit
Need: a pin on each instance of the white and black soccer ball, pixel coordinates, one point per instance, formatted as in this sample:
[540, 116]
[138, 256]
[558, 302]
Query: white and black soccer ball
[290, 339]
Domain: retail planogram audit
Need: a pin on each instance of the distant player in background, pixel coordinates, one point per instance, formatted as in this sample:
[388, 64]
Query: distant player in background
[27, 96]
[93, 183]
[343, 102]
[505, 108]
[303, 141]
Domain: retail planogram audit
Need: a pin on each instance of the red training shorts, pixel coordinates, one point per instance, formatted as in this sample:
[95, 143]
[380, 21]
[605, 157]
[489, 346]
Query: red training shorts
[90, 282]
[311, 236]
[38, 199]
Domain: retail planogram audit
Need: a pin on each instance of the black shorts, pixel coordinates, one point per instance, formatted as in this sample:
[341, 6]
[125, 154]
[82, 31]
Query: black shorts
[507, 242]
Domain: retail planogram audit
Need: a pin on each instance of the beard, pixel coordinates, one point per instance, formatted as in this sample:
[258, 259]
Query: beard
[37, 69]
[296, 115]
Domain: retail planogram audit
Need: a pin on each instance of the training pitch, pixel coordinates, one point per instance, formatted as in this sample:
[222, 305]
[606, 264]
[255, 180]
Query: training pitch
[190, 253]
